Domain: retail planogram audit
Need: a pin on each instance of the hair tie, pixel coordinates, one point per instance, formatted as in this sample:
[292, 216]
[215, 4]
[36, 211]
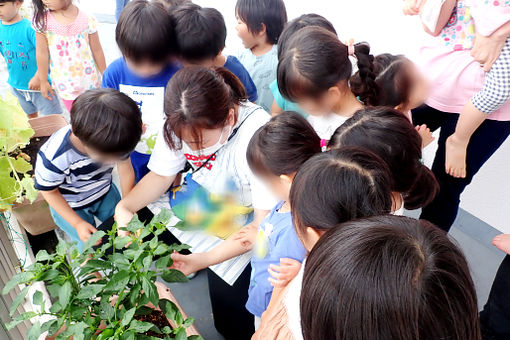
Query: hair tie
[350, 47]
[324, 145]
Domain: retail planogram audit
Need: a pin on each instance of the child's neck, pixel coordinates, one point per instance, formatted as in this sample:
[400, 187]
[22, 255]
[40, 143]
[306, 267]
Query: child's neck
[285, 207]
[219, 60]
[14, 20]
[261, 48]
[77, 143]
[66, 15]
[347, 105]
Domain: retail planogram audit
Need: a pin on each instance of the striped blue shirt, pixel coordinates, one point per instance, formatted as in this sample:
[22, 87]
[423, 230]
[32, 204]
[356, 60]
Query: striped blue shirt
[79, 179]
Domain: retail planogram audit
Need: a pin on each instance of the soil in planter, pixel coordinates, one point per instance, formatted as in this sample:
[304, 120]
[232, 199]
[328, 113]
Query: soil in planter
[47, 241]
[33, 148]
[157, 318]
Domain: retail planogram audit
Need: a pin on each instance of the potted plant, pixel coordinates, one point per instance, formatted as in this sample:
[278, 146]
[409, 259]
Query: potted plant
[123, 304]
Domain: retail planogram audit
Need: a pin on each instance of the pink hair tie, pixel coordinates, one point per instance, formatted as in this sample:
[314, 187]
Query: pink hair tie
[324, 145]
[350, 47]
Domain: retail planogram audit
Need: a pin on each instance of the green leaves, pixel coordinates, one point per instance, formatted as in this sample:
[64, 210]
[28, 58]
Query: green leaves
[150, 290]
[64, 294]
[140, 326]
[18, 300]
[90, 291]
[128, 316]
[92, 241]
[173, 275]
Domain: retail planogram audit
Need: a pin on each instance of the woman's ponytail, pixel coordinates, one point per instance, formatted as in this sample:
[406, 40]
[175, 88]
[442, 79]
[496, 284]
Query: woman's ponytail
[238, 91]
[363, 84]
[424, 189]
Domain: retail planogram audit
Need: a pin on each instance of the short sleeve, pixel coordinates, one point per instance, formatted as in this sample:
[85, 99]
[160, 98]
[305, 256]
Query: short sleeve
[92, 27]
[47, 174]
[488, 16]
[165, 161]
[110, 78]
[289, 245]
[276, 94]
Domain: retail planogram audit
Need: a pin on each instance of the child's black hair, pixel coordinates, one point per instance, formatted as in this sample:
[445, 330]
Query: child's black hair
[315, 60]
[303, 21]
[1, 1]
[392, 79]
[388, 277]
[145, 32]
[390, 135]
[172, 4]
[282, 145]
[107, 120]
[338, 186]
[200, 33]
[39, 19]
[259, 13]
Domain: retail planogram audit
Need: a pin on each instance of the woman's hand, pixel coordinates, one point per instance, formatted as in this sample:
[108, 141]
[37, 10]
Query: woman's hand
[189, 264]
[502, 242]
[456, 150]
[122, 216]
[425, 134]
[486, 50]
[284, 273]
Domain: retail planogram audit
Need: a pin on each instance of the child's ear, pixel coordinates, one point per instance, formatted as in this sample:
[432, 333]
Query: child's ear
[312, 237]
[231, 117]
[263, 30]
[287, 179]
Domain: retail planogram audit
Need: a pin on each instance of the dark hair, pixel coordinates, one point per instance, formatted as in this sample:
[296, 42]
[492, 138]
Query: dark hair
[200, 32]
[1, 1]
[338, 186]
[171, 4]
[282, 145]
[199, 97]
[39, 19]
[392, 79]
[390, 135]
[315, 60]
[107, 120]
[388, 277]
[295, 25]
[145, 33]
[270, 13]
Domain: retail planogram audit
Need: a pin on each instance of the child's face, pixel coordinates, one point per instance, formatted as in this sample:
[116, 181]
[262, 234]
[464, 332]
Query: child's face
[102, 158]
[279, 185]
[248, 38]
[55, 5]
[420, 88]
[144, 69]
[9, 10]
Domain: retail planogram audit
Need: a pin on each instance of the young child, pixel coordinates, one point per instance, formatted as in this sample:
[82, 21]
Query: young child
[144, 70]
[171, 4]
[259, 25]
[274, 154]
[281, 104]
[330, 188]
[400, 277]
[74, 167]
[389, 134]
[314, 72]
[68, 47]
[200, 35]
[17, 46]
[400, 85]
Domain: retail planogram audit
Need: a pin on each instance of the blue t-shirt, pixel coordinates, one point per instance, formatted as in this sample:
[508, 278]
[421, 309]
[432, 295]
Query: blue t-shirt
[276, 239]
[147, 92]
[234, 65]
[284, 104]
[17, 46]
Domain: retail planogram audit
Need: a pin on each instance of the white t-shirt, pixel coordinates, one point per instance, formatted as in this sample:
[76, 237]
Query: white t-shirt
[326, 125]
[229, 165]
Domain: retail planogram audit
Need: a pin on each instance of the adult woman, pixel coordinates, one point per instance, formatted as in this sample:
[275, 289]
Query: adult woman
[209, 123]
[456, 76]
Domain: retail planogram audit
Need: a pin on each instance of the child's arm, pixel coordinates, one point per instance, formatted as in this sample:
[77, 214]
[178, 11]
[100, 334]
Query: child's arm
[443, 18]
[57, 202]
[97, 52]
[192, 263]
[126, 176]
[494, 94]
[275, 109]
[43, 64]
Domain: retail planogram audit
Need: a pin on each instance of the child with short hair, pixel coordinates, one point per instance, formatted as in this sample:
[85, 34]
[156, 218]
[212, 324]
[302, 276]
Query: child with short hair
[18, 47]
[400, 85]
[200, 38]
[171, 4]
[274, 154]
[259, 25]
[314, 72]
[74, 167]
[68, 47]
[145, 38]
[402, 277]
[414, 185]
[330, 188]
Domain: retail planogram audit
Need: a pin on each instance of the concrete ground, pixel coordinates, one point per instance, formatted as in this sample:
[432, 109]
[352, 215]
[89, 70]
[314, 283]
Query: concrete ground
[469, 231]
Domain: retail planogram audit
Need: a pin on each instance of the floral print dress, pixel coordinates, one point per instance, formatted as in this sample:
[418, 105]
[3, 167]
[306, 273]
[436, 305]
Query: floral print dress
[72, 66]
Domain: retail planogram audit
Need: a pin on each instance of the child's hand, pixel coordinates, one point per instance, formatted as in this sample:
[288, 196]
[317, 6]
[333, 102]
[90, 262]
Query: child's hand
[502, 242]
[455, 164]
[188, 264]
[284, 273]
[425, 134]
[85, 230]
[47, 91]
[412, 7]
[34, 83]
[247, 236]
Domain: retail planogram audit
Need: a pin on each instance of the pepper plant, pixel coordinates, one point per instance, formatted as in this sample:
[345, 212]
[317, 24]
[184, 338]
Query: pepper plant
[109, 307]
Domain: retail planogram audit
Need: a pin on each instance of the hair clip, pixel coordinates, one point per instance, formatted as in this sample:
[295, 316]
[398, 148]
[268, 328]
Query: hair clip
[350, 47]
[324, 145]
